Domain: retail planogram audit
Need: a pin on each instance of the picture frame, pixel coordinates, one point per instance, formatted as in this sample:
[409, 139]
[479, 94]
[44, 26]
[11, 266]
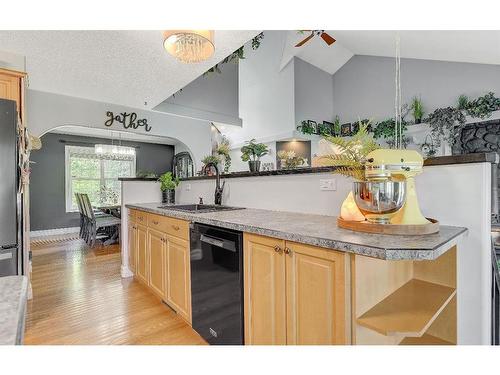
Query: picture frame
[314, 125]
[354, 128]
[345, 129]
[330, 126]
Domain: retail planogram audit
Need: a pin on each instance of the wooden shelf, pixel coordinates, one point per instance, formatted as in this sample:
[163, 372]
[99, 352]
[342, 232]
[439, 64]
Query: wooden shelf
[426, 339]
[409, 311]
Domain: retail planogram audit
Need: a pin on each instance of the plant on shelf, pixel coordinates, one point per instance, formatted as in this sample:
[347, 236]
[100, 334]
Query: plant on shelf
[446, 124]
[463, 102]
[336, 126]
[237, 55]
[252, 152]
[349, 160]
[210, 159]
[306, 127]
[167, 187]
[290, 160]
[417, 109]
[386, 129]
[223, 150]
[483, 106]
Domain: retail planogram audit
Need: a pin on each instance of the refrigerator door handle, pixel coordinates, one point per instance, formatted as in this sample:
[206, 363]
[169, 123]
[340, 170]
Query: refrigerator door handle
[6, 247]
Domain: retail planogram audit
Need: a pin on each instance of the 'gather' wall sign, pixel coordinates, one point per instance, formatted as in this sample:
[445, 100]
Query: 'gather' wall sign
[128, 120]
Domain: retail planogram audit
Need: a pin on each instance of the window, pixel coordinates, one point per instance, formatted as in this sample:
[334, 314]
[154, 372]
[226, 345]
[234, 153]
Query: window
[96, 175]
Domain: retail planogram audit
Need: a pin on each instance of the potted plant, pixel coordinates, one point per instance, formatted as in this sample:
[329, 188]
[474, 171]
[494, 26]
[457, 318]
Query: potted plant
[210, 159]
[417, 109]
[252, 152]
[223, 151]
[167, 187]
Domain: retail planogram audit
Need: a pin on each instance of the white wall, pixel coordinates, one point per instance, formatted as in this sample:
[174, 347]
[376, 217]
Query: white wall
[46, 111]
[454, 194]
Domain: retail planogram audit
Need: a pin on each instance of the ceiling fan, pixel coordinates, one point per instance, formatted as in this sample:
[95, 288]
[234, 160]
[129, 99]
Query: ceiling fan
[325, 36]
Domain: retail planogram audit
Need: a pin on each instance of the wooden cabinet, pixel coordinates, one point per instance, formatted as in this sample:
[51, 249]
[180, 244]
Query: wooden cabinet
[162, 258]
[294, 293]
[264, 293]
[142, 265]
[315, 284]
[131, 239]
[11, 87]
[157, 247]
[178, 276]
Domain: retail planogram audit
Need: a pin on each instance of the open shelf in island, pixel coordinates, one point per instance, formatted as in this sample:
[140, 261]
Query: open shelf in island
[410, 310]
[425, 339]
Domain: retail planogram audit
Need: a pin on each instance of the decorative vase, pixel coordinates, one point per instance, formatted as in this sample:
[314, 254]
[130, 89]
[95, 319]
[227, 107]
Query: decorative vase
[168, 196]
[254, 165]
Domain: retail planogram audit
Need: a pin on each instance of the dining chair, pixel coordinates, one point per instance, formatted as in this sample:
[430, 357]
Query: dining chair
[97, 223]
[82, 215]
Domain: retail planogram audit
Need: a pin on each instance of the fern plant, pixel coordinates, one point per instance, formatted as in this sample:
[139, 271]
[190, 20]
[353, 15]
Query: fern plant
[349, 161]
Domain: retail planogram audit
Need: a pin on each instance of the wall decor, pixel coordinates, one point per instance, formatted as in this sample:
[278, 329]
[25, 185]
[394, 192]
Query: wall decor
[314, 125]
[301, 149]
[329, 127]
[128, 120]
[345, 129]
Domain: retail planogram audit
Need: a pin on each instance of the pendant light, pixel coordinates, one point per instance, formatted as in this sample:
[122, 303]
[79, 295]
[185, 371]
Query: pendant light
[189, 46]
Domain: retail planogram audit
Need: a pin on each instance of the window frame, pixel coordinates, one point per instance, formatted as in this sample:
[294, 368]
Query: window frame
[68, 178]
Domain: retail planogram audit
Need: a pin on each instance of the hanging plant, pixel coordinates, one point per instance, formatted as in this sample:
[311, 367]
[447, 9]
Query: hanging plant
[237, 55]
[446, 124]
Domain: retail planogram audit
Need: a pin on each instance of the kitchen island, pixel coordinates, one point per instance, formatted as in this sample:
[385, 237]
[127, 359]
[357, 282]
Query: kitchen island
[13, 296]
[308, 282]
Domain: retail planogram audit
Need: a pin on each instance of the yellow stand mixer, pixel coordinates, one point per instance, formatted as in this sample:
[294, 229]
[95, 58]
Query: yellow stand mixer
[398, 165]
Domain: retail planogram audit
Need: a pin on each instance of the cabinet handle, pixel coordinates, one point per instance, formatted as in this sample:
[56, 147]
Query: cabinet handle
[176, 227]
[277, 248]
[287, 250]
[155, 222]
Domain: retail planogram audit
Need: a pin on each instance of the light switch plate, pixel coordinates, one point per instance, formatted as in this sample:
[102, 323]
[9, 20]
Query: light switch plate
[328, 185]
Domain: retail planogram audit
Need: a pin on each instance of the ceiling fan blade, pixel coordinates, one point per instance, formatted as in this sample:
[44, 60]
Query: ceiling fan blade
[327, 38]
[304, 41]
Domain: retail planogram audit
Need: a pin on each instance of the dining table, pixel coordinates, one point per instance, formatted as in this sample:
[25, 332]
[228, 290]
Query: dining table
[114, 210]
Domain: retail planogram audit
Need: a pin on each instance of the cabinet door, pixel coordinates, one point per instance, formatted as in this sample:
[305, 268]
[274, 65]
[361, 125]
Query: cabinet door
[264, 290]
[178, 276]
[156, 245]
[10, 88]
[315, 295]
[131, 246]
[142, 265]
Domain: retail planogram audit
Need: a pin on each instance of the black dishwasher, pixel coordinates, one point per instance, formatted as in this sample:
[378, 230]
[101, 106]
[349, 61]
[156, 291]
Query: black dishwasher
[217, 284]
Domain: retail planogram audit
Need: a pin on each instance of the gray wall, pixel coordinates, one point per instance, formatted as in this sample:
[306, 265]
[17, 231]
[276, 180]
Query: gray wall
[212, 97]
[313, 93]
[364, 86]
[47, 183]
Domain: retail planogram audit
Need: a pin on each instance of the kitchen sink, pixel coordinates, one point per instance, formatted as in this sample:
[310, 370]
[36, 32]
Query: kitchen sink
[200, 208]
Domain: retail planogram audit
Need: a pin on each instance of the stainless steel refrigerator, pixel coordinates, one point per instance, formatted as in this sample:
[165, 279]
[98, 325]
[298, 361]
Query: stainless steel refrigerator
[10, 198]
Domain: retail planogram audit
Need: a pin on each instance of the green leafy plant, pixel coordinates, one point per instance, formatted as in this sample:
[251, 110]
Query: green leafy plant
[386, 129]
[483, 106]
[349, 161]
[237, 55]
[211, 159]
[223, 151]
[305, 127]
[336, 125]
[168, 182]
[446, 124]
[463, 102]
[417, 109]
[253, 151]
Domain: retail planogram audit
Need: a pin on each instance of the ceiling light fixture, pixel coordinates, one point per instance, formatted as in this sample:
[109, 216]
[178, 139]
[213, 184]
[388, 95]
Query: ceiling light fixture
[189, 46]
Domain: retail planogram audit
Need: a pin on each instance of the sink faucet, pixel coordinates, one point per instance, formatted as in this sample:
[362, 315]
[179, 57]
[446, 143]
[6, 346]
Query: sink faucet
[218, 188]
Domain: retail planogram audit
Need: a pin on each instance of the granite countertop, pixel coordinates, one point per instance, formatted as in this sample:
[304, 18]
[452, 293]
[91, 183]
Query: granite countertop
[320, 230]
[13, 296]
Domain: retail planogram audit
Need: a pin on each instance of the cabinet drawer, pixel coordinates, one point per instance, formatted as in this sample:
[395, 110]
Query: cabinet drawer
[178, 228]
[157, 222]
[141, 217]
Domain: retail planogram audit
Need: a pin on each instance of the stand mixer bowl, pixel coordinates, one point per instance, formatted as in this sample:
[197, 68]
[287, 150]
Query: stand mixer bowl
[379, 200]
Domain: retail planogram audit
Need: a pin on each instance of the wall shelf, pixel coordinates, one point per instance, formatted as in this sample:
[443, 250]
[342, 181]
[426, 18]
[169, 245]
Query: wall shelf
[408, 311]
[425, 339]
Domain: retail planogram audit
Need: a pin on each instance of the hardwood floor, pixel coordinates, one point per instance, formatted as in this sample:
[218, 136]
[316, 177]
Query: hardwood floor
[80, 298]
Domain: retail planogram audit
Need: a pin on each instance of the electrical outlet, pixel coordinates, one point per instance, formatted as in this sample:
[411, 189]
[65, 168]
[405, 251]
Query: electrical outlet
[188, 187]
[328, 185]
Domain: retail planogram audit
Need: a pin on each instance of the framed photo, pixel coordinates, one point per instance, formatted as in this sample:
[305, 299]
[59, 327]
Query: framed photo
[330, 126]
[354, 128]
[314, 125]
[345, 129]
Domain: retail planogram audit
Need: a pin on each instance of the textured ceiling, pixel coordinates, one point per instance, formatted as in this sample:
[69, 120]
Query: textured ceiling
[121, 67]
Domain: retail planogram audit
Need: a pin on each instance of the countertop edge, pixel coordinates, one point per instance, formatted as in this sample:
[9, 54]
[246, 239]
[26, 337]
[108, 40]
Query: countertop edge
[14, 334]
[348, 247]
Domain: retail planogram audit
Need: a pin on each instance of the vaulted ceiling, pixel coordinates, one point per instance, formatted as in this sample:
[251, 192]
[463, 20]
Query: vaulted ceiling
[122, 67]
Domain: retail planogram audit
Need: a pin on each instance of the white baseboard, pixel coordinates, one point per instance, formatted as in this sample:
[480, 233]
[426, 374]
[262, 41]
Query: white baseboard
[54, 232]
